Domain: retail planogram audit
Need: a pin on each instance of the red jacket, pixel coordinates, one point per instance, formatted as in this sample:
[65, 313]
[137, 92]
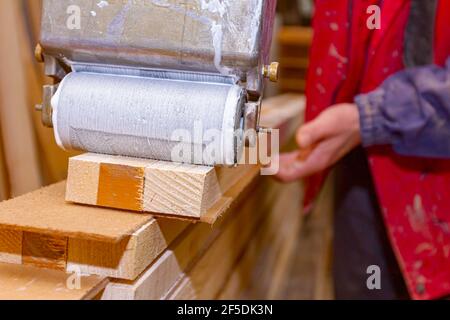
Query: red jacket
[414, 193]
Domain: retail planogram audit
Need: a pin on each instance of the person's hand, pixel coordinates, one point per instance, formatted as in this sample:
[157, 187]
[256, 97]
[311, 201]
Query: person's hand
[322, 142]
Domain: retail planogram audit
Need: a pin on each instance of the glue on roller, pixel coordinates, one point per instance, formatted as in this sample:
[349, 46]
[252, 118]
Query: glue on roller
[140, 117]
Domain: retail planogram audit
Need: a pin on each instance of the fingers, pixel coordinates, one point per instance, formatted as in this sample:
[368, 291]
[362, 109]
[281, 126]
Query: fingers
[295, 165]
[316, 130]
[323, 141]
[330, 122]
[286, 171]
[319, 159]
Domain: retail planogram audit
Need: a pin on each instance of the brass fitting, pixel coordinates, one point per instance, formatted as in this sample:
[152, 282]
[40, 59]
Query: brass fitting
[38, 53]
[271, 71]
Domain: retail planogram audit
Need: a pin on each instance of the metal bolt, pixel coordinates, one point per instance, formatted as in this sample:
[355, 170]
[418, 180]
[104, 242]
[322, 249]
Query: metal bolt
[271, 71]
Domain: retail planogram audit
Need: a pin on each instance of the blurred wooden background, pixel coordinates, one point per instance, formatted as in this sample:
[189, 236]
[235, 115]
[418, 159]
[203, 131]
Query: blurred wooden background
[29, 157]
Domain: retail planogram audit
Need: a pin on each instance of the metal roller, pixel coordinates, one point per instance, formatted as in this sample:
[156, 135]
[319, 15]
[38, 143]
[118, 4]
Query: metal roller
[146, 117]
[129, 76]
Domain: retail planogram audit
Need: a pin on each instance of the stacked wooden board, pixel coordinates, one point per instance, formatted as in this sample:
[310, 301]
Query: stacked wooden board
[118, 254]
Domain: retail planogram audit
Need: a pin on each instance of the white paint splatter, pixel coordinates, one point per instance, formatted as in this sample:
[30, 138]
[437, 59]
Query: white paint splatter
[255, 24]
[117, 25]
[93, 13]
[321, 88]
[217, 33]
[102, 4]
[215, 6]
[446, 250]
[334, 26]
[161, 3]
[334, 53]
[416, 215]
[218, 7]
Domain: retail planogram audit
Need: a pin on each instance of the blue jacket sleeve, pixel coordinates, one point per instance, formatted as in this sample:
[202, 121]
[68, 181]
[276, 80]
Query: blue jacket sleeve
[410, 111]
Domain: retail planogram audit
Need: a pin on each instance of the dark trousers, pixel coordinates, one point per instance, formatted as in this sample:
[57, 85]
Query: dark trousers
[360, 236]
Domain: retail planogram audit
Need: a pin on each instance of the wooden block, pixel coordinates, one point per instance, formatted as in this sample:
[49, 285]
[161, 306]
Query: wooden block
[45, 212]
[121, 187]
[44, 251]
[144, 185]
[185, 190]
[10, 246]
[84, 184]
[31, 283]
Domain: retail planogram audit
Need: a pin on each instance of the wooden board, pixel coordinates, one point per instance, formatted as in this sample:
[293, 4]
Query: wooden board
[10, 246]
[44, 251]
[257, 273]
[125, 259]
[45, 211]
[206, 278]
[310, 277]
[129, 258]
[30, 283]
[156, 281]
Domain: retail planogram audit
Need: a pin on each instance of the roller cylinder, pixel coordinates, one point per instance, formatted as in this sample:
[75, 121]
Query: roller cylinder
[171, 120]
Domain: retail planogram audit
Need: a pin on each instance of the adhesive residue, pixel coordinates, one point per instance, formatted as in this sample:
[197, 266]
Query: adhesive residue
[256, 23]
[216, 7]
[117, 25]
[102, 4]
